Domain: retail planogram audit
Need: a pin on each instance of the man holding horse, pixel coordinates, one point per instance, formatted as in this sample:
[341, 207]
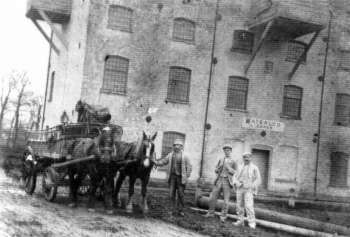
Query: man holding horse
[179, 171]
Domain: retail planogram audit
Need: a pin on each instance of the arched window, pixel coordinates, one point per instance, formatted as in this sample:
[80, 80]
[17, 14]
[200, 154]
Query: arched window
[237, 93]
[179, 84]
[115, 75]
[339, 169]
[292, 98]
[243, 41]
[295, 50]
[342, 110]
[184, 30]
[52, 85]
[120, 18]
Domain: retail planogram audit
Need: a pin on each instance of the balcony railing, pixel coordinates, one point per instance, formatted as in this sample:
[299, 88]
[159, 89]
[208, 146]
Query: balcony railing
[58, 11]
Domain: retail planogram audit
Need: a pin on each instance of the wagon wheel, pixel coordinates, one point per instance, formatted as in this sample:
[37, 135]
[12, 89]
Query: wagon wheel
[49, 184]
[29, 178]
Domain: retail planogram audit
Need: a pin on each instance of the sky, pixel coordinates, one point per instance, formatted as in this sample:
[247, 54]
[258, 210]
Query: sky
[22, 47]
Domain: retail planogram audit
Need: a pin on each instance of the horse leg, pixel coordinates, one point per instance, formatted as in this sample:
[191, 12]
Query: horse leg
[94, 178]
[132, 180]
[144, 194]
[72, 190]
[116, 194]
[108, 189]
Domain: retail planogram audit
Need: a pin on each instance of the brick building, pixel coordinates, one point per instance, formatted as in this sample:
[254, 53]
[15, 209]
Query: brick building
[249, 73]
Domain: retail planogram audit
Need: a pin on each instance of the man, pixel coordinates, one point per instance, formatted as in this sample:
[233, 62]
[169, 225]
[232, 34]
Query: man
[247, 181]
[225, 169]
[178, 173]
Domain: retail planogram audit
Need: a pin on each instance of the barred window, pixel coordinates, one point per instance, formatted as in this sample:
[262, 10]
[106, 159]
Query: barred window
[344, 58]
[184, 30]
[115, 75]
[268, 69]
[237, 93]
[292, 99]
[339, 170]
[120, 18]
[52, 84]
[342, 110]
[179, 84]
[243, 41]
[295, 50]
[168, 141]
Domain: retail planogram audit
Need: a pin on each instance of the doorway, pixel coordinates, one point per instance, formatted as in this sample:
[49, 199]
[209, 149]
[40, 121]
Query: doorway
[261, 159]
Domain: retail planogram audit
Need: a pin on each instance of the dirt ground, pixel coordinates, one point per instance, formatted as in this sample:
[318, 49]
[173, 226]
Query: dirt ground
[23, 215]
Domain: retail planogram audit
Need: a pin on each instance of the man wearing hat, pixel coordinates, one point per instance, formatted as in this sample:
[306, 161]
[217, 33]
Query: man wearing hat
[247, 181]
[178, 173]
[225, 169]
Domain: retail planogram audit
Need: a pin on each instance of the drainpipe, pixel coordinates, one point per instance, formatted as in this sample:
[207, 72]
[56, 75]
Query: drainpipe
[209, 90]
[321, 102]
[47, 80]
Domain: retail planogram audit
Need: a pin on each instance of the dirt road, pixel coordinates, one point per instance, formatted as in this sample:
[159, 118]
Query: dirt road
[24, 215]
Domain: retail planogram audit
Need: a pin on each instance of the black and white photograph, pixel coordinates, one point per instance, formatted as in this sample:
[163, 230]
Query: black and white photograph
[175, 118]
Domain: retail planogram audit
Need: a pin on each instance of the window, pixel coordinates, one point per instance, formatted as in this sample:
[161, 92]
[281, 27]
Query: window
[120, 18]
[295, 50]
[268, 69]
[339, 170]
[115, 75]
[292, 102]
[243, 41]
[237, 93]
[342, 110]
[344, 63]
[52, 84]
[168, 140]
[184, 30]
[179, 84]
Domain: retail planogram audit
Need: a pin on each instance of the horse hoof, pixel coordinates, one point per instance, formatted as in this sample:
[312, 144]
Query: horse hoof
[91, 210]
[109, 212]
[72, 205]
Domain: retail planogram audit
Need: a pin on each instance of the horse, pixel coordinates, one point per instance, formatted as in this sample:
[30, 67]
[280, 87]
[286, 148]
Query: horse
[100, 170]
[142, 155]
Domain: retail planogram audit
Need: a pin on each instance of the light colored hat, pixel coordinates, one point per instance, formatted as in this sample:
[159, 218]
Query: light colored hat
[227, 146]
[178, 142]
[247, 153]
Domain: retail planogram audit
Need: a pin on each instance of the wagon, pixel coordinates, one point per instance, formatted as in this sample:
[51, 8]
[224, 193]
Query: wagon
[47, 151]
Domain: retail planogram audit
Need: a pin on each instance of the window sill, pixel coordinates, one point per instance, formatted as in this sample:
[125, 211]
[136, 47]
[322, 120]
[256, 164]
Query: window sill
[242, 51]
[189, 42]
[341, 125]
[290, 117]
[121, 30]
[176, 102]
[236, 110]
[103, 91]
[339, 187]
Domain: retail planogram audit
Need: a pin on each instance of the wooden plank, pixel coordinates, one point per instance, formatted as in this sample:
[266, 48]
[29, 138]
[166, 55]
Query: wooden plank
[300, 59]
[54, 47]
[54, 28]
[260, 43]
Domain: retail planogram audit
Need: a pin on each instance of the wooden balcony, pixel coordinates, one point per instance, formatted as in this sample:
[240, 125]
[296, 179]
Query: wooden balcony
[58, 11]
[292, 18]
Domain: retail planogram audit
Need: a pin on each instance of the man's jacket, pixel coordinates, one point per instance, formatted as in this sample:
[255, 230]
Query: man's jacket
[253, 176]
[229, 166]
[186, 167]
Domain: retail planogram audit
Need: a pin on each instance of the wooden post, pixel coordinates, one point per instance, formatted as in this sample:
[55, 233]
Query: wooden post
[260, 43]
[297, 64]
[54, 29]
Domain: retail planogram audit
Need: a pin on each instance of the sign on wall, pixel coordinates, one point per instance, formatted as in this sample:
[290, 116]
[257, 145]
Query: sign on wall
[263, 124]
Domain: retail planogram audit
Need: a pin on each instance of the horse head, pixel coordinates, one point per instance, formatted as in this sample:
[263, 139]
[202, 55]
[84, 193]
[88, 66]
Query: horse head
[147, 149]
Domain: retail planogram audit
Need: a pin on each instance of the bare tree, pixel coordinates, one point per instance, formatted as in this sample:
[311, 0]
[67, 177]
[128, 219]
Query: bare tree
[35, 112]
[5, 97]
[21, 100]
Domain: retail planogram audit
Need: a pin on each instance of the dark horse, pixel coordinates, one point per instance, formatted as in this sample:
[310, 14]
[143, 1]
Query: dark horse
[100, 170]
[142, 153]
